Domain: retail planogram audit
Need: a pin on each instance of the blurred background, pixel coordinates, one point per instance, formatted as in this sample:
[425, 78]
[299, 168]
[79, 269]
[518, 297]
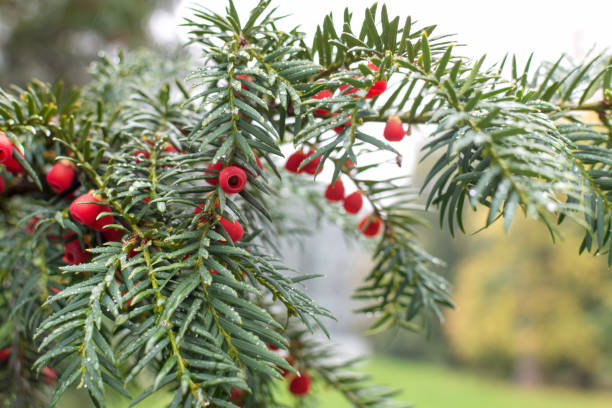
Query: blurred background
[533, 324]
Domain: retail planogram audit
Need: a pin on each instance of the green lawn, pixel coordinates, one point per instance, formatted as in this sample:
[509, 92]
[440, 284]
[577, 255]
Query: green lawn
[432, 386]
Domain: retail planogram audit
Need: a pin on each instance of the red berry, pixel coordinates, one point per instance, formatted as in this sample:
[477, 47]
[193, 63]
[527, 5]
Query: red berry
[129, 302]
[232, 179]
[84, 212]
[353, 202]
[233, 229]
[376, 89]
[394, 131]
[50, 376]
[112, 234]
[349, 165]
[345, 86]
[139, 154]
[323, 94]
[343, 126]
[246, 78]
[74, 254]
[2, 185]
[168, 148]
[4, 354]
[335, 192]
[272, 347]
[311, 166]
[198, 209]
[370, 225]
[32, 224]
[212, 177]
[300, 385]
[294, 161]
[60, 176]
[236, 394]
[100, 223]
[6, 155]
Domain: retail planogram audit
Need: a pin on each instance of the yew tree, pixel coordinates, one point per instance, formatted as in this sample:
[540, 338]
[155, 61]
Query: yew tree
[144, 215]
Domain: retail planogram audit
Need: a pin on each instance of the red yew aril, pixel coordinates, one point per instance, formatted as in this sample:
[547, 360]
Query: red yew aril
[340, 128]
[370, 225]
[300, 385]
[335, 192]
[74, 254]
[394, 131]
[376, 89]
[6, 155]
[32, 225]
[112, 234]
[353, 202]
[61, 176]
[168, 148]
[232, 179]
[83, 209]
[98, 225]
[139, 154]
[311, 166]
[233, 229]
[5, 354]
[236, 394]
[323, 94]
[212, 177]
[294, 161]
[246, 78]
[50, 376]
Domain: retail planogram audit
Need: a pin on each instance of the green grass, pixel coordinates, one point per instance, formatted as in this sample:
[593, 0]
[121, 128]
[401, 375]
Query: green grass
[427, 385]
[432, 386]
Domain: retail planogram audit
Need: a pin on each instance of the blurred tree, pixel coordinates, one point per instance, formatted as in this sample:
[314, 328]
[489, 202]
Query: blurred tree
[528, 307]
[52, 39]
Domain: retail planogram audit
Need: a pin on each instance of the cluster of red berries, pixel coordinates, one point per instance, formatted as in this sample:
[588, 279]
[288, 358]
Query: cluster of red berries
[143, 154]
[294, 161]
[376, 89]
[371, 224]
[49, 374]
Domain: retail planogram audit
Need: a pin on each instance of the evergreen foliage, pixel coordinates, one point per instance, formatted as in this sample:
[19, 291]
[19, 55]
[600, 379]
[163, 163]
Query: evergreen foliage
[175, 295]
